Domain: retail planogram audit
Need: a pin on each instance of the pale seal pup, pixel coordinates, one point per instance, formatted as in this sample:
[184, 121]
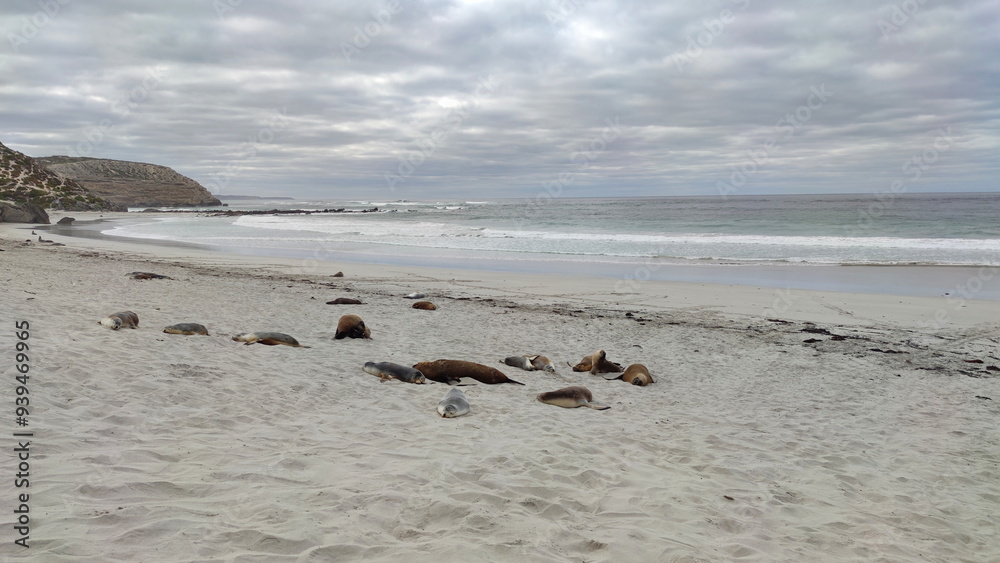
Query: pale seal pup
[571, 397]
[519, 362]
[388, 370]
[268, 339]
[542, 363]
[115, 321]
[425, 305]
[637, 374]
[447, 371]
[454, 403]
[186, 328]
[597, 363]
[351, 326]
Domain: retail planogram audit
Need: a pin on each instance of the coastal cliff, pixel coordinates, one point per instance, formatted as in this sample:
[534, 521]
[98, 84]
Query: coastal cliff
[132, 184]
[27, 184]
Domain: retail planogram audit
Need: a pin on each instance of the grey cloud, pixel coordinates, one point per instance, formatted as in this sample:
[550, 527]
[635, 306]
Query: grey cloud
[697, 89]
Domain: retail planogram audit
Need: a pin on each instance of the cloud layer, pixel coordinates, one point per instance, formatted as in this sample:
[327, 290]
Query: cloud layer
[474, 99]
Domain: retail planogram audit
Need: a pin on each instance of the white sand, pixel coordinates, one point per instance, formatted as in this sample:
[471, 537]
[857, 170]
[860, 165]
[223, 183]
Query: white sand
[751, 446]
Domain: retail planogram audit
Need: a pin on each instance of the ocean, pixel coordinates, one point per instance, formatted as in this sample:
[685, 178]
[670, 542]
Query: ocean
[661, 236]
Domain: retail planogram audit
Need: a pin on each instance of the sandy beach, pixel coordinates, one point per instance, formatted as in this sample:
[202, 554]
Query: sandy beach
[783, 425]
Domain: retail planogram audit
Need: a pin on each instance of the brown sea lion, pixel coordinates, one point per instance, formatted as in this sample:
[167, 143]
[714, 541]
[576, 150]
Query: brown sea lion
[425, 305]
[147, 276]
[637, 374]
[345, 301]
[351, 326]
[602, 365]
[268, 339]
[448, 371]
[186, 328]
[571, 397]
[115, 321]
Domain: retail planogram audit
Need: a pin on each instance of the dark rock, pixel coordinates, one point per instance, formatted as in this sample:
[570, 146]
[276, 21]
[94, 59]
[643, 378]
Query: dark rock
[22, 213]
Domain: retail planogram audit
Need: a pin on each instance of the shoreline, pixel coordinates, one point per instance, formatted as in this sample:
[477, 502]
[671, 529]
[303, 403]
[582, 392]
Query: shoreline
[839, 427]
[908, 280]
[932, 313]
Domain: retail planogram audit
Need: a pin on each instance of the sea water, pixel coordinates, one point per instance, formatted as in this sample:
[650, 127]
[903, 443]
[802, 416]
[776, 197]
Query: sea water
[891, 229]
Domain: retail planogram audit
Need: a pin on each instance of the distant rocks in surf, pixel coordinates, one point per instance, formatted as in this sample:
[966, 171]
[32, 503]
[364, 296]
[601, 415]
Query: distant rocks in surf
[239, 212]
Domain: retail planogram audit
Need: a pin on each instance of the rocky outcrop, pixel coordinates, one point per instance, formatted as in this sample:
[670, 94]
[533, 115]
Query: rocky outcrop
[23, 180]
[22, 213]
[133, 184]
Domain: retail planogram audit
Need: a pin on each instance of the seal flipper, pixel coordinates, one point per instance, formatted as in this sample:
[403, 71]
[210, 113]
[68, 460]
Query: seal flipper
[611, 376]
[512, 381]
[597, 407]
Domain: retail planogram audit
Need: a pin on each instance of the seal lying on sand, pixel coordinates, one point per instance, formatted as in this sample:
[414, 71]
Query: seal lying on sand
[637, 374]
[597, 363]
[542, 363]
[425, 305]
[268, 339]
[351, 326]
[388, 370]
[186, 328]
[414, 296]
[448, 371]
[345, 301]
[454, 403]
[115, 321]
[519, 362]
[530, 362]
[571, 397]
[147, 276]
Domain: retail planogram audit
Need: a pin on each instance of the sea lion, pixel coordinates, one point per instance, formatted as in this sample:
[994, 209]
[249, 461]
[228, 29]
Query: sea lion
[519, 362]
[454, 403]
[186, 328]
[345, 301]
[542, 363]
[602, 365]
[425, 305]
[530, 362]
[388, 370]
[115, 321]
[447, 371]
[571, 397]
[147, 276]
[268, 339]
[637, 374]
[351, 326]
[414, 296]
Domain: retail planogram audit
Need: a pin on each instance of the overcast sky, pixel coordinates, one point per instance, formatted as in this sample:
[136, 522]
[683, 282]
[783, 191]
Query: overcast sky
[479, 99]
